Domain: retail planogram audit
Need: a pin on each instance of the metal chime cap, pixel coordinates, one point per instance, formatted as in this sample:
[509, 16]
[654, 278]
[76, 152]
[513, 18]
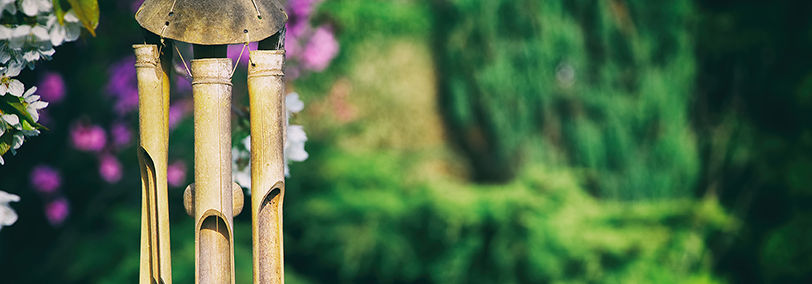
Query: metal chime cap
[212, 22]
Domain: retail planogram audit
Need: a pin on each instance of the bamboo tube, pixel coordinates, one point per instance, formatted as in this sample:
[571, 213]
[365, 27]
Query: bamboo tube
[214, 250]
[266, 88]
[153, 115]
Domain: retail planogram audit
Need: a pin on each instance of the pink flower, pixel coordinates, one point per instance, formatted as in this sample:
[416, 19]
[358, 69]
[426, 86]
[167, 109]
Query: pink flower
[176, 173]
[45, 179]
[56, 211]
[235, 49]
[302, 8]
[320, 50]
[110, 168]
[52, 87]
[121, 134]
[90, 138]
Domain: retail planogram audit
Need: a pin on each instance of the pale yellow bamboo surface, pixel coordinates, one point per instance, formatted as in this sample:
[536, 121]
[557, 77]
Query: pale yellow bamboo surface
[214, 251]
[266, 88]
[153, 114]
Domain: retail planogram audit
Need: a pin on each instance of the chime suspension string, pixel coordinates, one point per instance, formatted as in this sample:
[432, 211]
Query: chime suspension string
[188, 72]
[256, 8]
[247, 40]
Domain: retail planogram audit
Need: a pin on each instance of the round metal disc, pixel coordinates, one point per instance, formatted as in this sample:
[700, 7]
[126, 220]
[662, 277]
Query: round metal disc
[211, 22]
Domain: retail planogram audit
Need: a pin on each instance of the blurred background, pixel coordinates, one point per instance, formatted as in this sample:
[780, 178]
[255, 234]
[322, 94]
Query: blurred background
[463, 141]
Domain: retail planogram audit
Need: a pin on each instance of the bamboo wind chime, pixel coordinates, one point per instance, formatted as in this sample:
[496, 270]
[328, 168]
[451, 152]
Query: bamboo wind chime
[213, 199]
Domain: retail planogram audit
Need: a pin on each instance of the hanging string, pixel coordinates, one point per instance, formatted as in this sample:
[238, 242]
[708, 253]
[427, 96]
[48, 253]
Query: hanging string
[247, 40]
[256, 8]
[238, 59]
[188, 72]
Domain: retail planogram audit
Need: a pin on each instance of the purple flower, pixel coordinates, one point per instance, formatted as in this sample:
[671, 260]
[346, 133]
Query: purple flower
[178, 111]
[121, 134]
[56, 211]
[52, 87]
[176, 173]
[90, 138]
[135, 5]
[320, 50]
[110, 168]
[123, 86]
[235, 49]
[182, 85]
[45, 179]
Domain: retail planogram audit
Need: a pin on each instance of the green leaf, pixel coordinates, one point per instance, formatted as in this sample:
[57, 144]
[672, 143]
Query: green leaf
[5, 142]
[88, 12]
[60, 14]
[18, 108]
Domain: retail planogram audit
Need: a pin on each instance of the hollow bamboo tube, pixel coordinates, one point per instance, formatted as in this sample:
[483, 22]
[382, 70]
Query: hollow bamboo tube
[153, 116]
[266, 89]
[214, 250]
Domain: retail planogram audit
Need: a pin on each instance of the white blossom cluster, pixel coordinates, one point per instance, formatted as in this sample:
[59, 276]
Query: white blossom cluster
[294, 144]
[7, 215]
[29, 32]
[26, 43]
[21, 45]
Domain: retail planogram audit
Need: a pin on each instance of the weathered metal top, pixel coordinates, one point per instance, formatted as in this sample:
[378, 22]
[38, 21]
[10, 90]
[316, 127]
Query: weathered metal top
[210, 22]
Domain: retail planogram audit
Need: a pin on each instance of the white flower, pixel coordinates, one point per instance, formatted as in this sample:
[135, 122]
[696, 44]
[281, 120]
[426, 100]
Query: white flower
[5, 32]
[33, 103]
[296, 137]
[7, 215]
[294, 145]
[242, 176]
[33, 7]
[7, 5]
[293, 104]
[12, 120]
[11, 86]
[69, 31]
[17, 141]
[29, 44]
[11, 70]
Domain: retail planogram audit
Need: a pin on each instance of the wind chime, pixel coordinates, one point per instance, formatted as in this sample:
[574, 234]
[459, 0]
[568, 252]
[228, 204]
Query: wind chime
[213, 199]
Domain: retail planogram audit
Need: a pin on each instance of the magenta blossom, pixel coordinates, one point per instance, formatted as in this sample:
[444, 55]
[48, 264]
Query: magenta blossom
[123, 86]
[235, 49]
[176, 173]
[320, 50]
[45, 179]
[90, 138]
[121, 134]
[302, 8]
[110, 168]
[56, 211]
[52, 87]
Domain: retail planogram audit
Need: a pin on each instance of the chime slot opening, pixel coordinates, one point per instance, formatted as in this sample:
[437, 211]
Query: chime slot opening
[269, 231]
[150, 191]
[215, 251]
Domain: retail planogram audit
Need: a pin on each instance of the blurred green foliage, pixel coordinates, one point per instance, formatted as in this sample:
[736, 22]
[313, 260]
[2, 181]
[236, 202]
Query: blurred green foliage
[607, 83]
[540, 228]
[620, 141]
[358, 218]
